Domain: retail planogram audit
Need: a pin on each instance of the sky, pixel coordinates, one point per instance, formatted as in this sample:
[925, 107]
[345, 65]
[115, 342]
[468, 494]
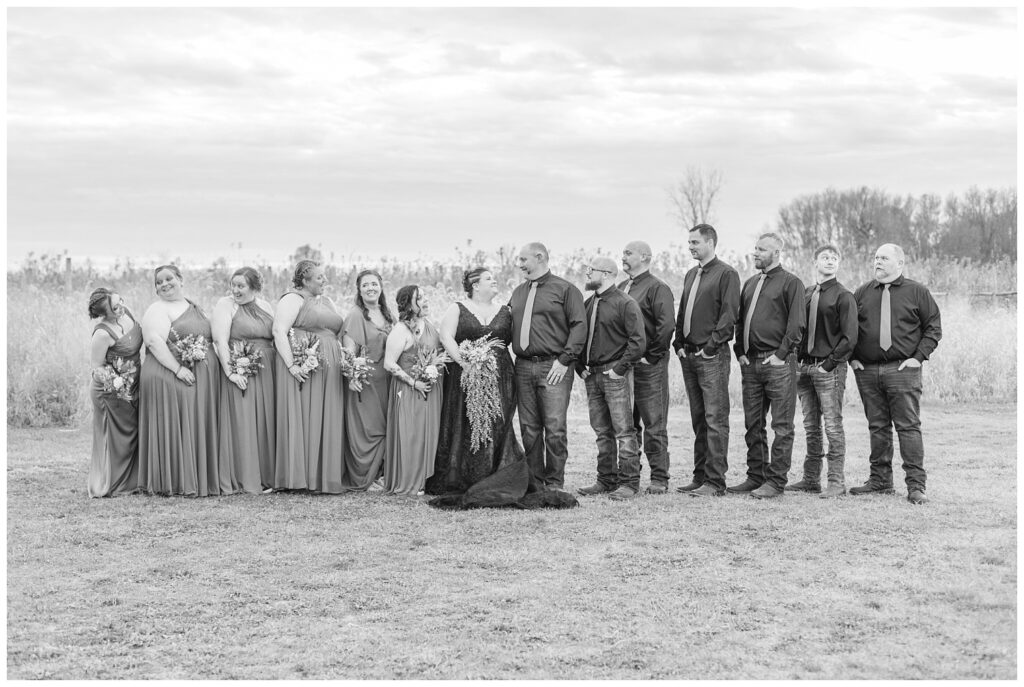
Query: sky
[199, 133]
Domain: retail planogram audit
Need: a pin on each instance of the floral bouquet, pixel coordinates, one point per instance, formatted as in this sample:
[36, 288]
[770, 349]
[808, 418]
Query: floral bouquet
[118, 378]
[357, 368]
[191, 349]
[429, 365]
[480, 383]
[306, 352]
[245, 359]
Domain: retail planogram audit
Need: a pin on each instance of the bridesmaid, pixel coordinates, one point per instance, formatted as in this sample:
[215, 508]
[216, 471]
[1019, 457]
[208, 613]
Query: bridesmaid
[115, 422]
[177, 404]
[247, 429]
[366, 405]
[414, 407]
[310, 405]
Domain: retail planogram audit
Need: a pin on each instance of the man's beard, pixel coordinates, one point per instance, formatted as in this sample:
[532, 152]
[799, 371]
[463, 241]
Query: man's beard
[592, 286]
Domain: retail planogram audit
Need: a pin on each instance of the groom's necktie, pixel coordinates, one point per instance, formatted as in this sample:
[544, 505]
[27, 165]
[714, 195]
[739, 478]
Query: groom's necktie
[750, 315]
[593, 325]
[524, 332]
[812, 318]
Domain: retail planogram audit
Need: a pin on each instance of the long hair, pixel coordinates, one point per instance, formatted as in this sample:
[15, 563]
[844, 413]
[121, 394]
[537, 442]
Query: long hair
[381, 300]
[406, 302]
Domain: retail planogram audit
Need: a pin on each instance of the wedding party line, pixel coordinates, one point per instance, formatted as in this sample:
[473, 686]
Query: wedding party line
[257, 397]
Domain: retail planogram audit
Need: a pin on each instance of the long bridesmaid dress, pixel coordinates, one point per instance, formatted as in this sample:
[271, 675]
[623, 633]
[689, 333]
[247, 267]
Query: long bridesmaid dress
[177, 423]
[311, 420]
[247, 420]
[366, 412]
[114, 468]
[413, 425]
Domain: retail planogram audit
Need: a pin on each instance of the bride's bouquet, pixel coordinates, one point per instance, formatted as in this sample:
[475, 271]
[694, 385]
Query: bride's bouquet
[306, 352]
[480, 384]
[117, 378]
[356, 367]
[191, 349]
[245, 359]
[429, 365]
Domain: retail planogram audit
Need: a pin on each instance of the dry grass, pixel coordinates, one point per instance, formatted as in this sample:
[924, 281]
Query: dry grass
[371, 586]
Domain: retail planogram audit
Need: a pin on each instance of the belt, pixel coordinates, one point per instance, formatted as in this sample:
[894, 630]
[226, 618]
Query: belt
[536, 358]
[813, 359]
[760, 355]
[595, 369]
[690, 348]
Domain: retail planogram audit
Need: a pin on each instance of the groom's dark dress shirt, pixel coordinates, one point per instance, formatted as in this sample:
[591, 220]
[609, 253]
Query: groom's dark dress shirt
[558, 328]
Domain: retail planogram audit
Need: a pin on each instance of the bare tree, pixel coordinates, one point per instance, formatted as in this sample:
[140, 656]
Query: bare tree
[693, 198]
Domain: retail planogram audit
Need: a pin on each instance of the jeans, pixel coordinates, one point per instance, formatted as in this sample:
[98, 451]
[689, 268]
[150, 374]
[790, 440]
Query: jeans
[767, 387]
[542, 421]
[650, 415]
[821, 398]
[610, 402]
[707, 388]
[892, 398]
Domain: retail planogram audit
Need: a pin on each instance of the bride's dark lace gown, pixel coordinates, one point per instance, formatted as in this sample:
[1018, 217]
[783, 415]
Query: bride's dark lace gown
[456, 468]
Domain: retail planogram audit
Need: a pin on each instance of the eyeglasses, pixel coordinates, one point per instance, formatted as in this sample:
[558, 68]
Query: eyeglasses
[594, 269]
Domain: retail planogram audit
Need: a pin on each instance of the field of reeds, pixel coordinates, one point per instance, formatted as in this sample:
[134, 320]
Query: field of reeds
[48, 329]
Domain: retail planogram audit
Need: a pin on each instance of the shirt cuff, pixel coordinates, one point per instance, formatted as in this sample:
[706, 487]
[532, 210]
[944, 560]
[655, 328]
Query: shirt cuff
[828, 365]
[566, 360]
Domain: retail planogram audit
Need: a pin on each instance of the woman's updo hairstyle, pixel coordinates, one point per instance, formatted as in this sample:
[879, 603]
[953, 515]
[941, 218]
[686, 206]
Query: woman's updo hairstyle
[406, 302]
[99, 302]
[303, 271]
[172, 267]
[253, 278]
[471, 279]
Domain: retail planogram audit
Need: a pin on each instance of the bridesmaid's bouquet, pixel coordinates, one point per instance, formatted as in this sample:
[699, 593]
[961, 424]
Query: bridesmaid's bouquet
[245, 359]
[356, 367]
[306, 352]
[429, 365]
[191, 349]
[118, 378]
[480, 384]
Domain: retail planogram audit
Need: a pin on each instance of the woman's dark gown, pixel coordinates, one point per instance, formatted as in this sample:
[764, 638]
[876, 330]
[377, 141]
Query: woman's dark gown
[456, 468]
[115, 422]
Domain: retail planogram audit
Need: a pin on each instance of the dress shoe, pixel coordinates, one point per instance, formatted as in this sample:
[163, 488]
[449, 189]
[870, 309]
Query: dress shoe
[805, 484]
[917, 497]
[707, 490]
[869, 488]
[833, 491]
[622, 494]
[595, 488]
[657, 488]
[766, 491]
[689, 487]
[748, 486]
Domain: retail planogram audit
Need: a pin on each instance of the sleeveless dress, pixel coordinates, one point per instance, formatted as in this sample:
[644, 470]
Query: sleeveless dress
[178, 423]
[413, 425]
[311, 419]
[114, 468]
[456, 468]
[366, 412]
[247, 419]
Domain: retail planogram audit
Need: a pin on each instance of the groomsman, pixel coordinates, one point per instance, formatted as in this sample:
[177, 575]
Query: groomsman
[548, 332]
[898, 328]
[650, 374]
[615, 342]
[770, 327]
[704, 326]
[821, 382]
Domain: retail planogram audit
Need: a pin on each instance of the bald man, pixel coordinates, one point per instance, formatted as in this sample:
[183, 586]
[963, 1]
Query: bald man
[615, 342]
[898, 327]
[650, 374]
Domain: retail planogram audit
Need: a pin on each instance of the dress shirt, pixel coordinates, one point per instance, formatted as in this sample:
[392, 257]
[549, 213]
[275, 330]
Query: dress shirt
[713, 319]
[836, 331]
[655, 300]
[558, 328]
[916, 326]
[779, 318]
[618, 332]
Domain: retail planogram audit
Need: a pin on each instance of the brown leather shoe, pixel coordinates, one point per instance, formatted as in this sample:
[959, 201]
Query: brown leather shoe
[745, 488]
[766, 491]
[805, 485]
[657, 488]
[917, 497]
[869, 488]
[593, 489]
[833, 491]
[623, 493]
[707, 490]
[692, 486]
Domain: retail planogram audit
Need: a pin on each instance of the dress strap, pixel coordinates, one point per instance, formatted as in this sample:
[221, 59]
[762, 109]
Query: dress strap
[106, 327]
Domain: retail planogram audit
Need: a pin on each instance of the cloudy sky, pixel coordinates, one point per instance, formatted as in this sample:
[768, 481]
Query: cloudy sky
[186, 132]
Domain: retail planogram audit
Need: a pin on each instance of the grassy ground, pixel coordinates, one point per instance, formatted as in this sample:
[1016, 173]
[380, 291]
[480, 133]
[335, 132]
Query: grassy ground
[371, 586]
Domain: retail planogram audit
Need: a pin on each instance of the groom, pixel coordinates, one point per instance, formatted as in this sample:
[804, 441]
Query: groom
[549, 329]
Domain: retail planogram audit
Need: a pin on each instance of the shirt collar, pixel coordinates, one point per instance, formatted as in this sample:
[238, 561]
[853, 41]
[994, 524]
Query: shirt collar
[898, 281]
[711, 263]
[774, 270]
[828, 283]
[640, 277]
[541, 279]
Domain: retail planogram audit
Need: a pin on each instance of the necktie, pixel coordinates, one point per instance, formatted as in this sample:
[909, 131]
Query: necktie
[812, 318]
[750, 314]
[524, 333]
[688, 313]
[885, 330]
[627, 286]
[590, 329]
